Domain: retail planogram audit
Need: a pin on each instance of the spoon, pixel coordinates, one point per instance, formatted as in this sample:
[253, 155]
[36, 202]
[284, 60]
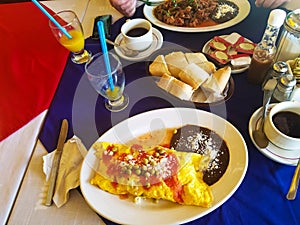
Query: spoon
[291, 195]
[259, 135]
[126, 51]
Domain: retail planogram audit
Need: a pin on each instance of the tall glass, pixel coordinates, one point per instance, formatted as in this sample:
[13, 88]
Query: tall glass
[69, 20]
[110, 86]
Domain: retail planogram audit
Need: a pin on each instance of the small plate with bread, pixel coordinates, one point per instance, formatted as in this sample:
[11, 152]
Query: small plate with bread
[189, 76]
[232, 50]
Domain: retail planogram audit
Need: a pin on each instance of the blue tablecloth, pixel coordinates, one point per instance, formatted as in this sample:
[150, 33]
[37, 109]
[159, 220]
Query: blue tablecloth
[260, 199]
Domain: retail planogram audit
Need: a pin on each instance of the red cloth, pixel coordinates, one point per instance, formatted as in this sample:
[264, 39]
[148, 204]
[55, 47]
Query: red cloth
[31, 64]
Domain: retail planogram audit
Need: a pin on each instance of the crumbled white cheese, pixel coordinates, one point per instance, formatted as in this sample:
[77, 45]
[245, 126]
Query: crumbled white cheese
[223, 9]
[208, 149]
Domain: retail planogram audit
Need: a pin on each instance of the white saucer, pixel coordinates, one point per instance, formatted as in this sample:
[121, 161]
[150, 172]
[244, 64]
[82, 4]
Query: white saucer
[156, 44]
[272, 151]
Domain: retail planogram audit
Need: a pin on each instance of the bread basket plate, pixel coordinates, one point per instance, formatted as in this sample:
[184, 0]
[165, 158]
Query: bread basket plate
[166, 49]
[244, 9]
[125, 211]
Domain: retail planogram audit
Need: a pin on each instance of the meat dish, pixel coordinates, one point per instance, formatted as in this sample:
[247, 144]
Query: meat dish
[195, 13]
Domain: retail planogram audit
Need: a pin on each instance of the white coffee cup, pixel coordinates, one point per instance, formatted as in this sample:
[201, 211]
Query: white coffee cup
[137, 34]
[277, 137]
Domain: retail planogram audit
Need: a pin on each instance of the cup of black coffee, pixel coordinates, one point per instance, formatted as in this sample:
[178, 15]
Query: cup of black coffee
[282, 125]
[137, 34]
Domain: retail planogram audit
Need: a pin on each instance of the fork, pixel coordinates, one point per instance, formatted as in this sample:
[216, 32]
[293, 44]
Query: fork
[149, 3]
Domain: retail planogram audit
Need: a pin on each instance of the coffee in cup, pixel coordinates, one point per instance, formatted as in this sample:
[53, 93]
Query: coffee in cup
[137, 34]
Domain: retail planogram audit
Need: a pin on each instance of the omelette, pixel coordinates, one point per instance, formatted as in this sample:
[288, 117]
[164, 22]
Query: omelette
[154, 173]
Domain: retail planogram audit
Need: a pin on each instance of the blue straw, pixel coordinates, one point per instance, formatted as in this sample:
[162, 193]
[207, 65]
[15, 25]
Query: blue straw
[52, 19]
[105, 53]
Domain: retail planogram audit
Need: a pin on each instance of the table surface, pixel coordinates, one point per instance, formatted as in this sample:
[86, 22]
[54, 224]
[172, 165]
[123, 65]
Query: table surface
[265, 183]
[261, 197]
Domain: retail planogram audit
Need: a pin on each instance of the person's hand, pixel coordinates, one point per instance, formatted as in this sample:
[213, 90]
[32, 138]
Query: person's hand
[270, 3]
[126, 7]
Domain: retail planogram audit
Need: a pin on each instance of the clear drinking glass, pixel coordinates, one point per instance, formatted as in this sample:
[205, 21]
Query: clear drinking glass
[97, 74]
[69, 21]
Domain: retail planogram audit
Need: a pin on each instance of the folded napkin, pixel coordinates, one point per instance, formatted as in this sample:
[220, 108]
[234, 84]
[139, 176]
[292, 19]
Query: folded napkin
[69, 170]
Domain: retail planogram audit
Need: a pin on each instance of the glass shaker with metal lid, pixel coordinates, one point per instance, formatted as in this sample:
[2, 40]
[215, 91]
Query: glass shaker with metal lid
[284, 88]
[278, 70]
[289, 42]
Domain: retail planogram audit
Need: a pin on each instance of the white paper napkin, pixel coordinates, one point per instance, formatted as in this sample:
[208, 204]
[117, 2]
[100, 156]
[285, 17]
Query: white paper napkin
[69, 170]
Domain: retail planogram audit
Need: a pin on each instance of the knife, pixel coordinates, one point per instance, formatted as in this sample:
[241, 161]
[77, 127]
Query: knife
[56, 161]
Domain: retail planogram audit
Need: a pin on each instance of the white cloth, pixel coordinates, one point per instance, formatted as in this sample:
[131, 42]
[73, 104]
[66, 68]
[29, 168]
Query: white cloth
[68, 176]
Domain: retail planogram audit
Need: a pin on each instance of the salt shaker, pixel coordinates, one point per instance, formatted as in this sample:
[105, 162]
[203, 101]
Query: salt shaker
[284, 88]
[289, 41]
[278, 70]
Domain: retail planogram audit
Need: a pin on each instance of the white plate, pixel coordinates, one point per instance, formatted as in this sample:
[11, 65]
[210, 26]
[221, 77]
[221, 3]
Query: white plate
[156, 44]
[244, 9]
[206, 48]
[272, 151]
[149, 213]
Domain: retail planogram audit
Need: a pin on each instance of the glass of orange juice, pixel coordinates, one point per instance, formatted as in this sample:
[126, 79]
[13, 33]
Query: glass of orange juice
[109, 85]
[70, 22]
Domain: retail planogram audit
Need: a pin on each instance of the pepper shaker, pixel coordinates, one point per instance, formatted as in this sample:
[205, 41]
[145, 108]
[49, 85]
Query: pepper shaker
[284, 88]
[279, 69]
[276, 71]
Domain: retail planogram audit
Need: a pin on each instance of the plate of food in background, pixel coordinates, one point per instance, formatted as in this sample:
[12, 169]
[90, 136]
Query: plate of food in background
[232, 50]
[190, 76]
[198, 15]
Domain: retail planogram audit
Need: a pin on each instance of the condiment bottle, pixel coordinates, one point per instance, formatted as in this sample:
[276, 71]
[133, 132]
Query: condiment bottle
[265, 50]
[289, 42]
[284, 88]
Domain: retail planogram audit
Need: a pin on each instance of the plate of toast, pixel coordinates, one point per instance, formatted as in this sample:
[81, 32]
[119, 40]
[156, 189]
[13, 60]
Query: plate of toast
[190, 76]
[232, 49]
